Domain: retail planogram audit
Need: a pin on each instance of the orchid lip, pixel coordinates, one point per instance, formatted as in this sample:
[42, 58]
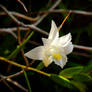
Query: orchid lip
[57, 56]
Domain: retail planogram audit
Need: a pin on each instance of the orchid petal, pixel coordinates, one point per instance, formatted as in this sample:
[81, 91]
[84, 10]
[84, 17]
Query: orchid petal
[36, 53]
[47, 61]
[54, 31]
[68, 48]
[64, 40]
[46, 41]
[62, 62]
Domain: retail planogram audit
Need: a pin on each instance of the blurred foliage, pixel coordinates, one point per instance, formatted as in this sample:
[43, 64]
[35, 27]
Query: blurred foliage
[77, 73]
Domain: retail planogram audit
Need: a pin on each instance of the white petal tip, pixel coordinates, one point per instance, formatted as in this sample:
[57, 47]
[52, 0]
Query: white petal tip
[27, 54]
[46, 65]
[53, 23]
[69, 35]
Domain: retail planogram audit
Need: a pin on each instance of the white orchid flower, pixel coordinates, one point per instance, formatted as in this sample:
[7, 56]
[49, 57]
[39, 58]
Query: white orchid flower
[54, 48]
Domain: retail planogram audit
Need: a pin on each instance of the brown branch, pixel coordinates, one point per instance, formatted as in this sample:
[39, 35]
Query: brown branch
[83, 47]
[66, 11]
[13, 29]
[23, 5]
[13, 75]
[16, 74]
[21, 16]
[8, 31]
[18, 36]
[5, 82]
[17, 84]
[13, 82]
[12, 90]
[22, 51]
[25, 59]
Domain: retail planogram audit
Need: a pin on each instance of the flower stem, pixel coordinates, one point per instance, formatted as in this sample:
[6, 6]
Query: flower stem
[64, 21]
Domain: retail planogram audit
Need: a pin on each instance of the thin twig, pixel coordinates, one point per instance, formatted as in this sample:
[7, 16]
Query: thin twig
[13, 75]
[12, 30]
[5, 82]
[64, 21]
[25, 59]
[66, 11]
[83, 47]
[12, 90]
[17, 84]
[23, 5]
[22, 51]
[21, 16]
[14, 83]
[18, 36]
[31, 62]
[8, 31]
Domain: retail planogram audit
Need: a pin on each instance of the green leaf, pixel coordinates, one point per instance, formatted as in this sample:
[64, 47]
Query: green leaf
[69, 72]
[62, 81]
[88, 68]
[28, 84]
[82, 77]
[81, 86]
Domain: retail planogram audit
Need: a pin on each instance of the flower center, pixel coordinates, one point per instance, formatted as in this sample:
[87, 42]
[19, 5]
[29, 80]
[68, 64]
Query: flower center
[57, 56]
